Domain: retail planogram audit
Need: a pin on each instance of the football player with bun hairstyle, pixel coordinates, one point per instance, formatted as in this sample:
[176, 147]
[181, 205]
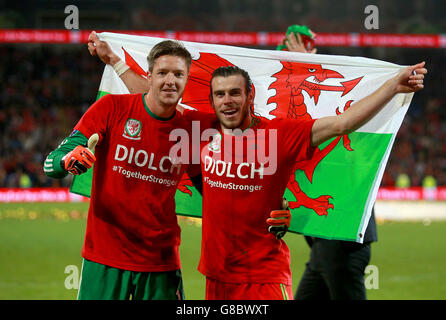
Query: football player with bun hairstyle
[239, 258]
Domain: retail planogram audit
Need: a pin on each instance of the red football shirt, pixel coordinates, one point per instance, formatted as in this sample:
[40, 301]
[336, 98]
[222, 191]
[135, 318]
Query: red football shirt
[242, 182]
[132, 223]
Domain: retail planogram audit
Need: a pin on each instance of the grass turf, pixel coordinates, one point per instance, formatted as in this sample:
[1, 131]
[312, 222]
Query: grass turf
[39, 241]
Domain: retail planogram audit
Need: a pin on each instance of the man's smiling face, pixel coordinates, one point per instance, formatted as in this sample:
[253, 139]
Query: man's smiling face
[230, 101]
[168, 80]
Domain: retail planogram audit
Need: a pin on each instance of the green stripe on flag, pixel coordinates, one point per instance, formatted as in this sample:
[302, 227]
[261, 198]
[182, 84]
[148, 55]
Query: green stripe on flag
[186, 205]
[82, 184]
[101, 94]
[347, 176]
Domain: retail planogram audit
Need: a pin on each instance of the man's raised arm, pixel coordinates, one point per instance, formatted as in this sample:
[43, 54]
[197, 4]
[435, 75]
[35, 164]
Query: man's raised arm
[408, 80]
[133, 81]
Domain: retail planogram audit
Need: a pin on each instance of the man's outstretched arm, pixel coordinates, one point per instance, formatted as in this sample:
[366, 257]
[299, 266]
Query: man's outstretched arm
[133, 81]
[408, 80]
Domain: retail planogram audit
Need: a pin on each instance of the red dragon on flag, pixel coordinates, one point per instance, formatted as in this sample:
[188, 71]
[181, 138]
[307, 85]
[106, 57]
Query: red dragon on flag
[291, 81]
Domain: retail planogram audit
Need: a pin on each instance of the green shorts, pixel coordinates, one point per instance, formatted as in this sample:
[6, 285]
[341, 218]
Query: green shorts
[101, 282]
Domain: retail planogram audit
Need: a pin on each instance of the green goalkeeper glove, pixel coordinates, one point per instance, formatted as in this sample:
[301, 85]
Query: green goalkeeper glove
[80, 159]
[279, 221]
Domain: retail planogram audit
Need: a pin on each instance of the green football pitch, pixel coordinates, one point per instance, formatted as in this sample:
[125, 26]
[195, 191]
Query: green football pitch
[40, 247]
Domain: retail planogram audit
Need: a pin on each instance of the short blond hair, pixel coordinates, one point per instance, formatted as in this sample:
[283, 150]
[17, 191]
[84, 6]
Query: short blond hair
[169, 48]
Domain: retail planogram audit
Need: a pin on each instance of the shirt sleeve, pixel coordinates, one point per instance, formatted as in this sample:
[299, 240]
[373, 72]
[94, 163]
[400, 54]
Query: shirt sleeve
[51, 166]
[97, 117]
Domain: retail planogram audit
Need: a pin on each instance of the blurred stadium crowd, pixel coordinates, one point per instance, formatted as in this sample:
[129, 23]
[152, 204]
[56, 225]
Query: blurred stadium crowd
[397, 16]
[44, 92]
[46, 88]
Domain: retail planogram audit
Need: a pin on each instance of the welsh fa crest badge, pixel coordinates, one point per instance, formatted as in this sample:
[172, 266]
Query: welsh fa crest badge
[132, 129]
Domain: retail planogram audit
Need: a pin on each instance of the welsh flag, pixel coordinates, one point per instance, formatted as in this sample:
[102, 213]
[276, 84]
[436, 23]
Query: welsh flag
[332, 195]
